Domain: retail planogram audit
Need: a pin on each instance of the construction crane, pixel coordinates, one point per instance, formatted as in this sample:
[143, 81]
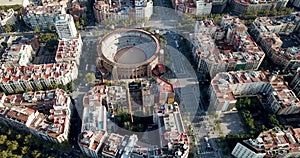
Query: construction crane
[129, 102]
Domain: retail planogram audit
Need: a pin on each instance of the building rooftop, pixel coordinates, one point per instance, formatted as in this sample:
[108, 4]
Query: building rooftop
[164, 86]
[270, 29]
[48, 10]
[68, 49]
[92, 140]
[235, 47]
[116, 96]
[172, 133]
[276, 142]
[255, 2]
[118, 7]
[43, 111]
[17, 54]
[112, 144]
[222, 82]
[6, 15]
[94, 113]
[33, 72]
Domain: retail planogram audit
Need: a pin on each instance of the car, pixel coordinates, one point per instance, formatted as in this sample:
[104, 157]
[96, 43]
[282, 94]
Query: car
[206, 139]
[208, 145]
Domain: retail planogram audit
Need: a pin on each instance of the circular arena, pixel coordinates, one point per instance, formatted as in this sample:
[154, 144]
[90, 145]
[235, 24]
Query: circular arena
[128, 53]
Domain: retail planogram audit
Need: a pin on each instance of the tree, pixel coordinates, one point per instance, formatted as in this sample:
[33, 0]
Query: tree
[18, 136]
[77, 25]
[4, 154]
[4, 44]
[82, 22]
[36, 29]
[63, 87]
[163, 41]
[90, 78]
[51, 28]
[27, 139]
[12, 145]
[24, 150]
[7, 28]
[149, 29]
[28, 89]
[36, 153]
[38, 88]
[71, 86]
[2, 139]
[65, 146]
[53, 86]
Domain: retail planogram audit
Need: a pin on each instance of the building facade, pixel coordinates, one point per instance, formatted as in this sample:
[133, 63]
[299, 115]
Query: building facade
[272, 143]
[295, 84]
[42, 16]
[203, 7]
[18, 55]
[118, 10]
[268, 32]
[225, 87]
[7, 17]
[242, 6]
[224, 47]
[23, 3]
[24, 113]
[113, 53]
[65, 26]
[69, 50]
[36, 76]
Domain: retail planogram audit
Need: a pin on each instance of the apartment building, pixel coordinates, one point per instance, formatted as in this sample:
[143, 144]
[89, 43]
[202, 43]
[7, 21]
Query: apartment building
[295, 83]
[171, 130]
[65, 26]
[91, 142]
[272, 143]
[23, 3]
[224, 47]
[69, 50]
[218, 6]
[31, 40]
[42, 16]
[7, 17]
[78, 12]
[227, 85]
[166, 91]
[116, 97]
[33, 76]
[45, 114]
[17, 55]
[93, 129]
[196, 7]
[242, 6]
[122, 10]
[295, 3]
[96, 138]
[268, 31]
[203, 7]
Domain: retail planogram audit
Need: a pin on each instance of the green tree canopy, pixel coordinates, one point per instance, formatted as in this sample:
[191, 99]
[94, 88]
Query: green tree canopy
[7, 28]
[2, 139]
[90, 78]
